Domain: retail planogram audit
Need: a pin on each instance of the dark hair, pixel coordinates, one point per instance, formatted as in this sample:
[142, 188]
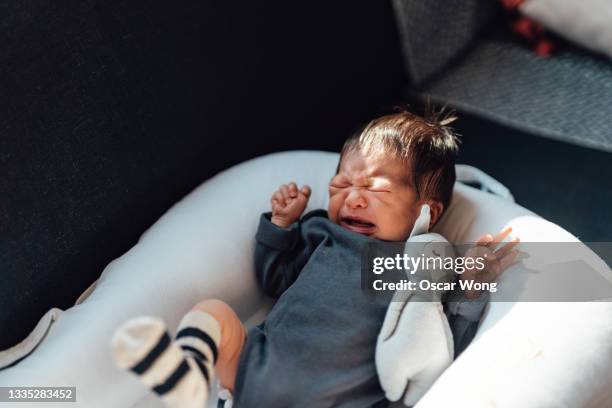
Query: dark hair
[427, 145]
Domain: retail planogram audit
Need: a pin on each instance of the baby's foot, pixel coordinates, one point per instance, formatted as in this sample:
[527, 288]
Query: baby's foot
[180, 378]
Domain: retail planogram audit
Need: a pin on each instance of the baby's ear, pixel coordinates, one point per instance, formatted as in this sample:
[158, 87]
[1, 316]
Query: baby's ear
[435, 212]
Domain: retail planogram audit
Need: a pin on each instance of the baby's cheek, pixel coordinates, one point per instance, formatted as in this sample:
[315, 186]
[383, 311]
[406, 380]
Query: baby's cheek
[403, 223]
[333, 208]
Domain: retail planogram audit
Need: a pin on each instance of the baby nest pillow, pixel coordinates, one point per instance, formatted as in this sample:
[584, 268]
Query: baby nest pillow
[203, 248]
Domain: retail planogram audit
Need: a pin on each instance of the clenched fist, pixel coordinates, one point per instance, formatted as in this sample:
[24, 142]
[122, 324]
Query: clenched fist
[288, 204]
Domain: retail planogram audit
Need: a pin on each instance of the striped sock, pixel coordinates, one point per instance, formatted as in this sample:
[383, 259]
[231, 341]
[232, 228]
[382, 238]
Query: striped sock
[143, 346]
[198, 335]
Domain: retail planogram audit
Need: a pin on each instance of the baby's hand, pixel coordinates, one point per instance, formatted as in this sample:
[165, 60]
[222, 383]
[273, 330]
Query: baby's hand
[288, 204]
[496, 261]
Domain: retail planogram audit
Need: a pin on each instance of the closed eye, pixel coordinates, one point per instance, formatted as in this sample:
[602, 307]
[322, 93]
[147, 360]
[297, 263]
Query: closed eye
[339, 184]
[380, 188]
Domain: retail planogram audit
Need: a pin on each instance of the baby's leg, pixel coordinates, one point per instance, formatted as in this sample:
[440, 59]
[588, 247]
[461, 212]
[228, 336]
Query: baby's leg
[181, 371]
[233, 336]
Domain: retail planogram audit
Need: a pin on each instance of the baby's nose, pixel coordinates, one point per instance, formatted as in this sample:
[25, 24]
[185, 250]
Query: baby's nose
[356, 200]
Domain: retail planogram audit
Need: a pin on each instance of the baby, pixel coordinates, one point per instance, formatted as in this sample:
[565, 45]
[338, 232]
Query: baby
[317, 345]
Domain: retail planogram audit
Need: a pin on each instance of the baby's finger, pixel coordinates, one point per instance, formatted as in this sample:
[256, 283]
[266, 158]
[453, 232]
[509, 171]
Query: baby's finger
[306, 190]
[293, 190]
[485, 240]
[500, 236]
[284, 189]
[279, 198]
[276, 207]
[504, 250]
[507, 261]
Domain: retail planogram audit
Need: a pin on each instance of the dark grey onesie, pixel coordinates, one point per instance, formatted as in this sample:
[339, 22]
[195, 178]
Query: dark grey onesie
[316, 347]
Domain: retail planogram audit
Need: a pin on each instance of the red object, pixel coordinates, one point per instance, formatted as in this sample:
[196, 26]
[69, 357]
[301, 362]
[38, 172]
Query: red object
[511, 4]
[530, 31]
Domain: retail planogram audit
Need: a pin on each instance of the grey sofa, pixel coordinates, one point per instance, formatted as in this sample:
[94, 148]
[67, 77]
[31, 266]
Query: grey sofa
[463, 53]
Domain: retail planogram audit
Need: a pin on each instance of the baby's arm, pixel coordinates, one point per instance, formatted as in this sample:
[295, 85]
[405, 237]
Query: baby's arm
[281, 251]
[463, 316]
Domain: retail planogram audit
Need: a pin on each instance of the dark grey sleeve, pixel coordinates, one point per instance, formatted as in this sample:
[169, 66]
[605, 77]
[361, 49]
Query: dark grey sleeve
[280, 254]
[463, 317]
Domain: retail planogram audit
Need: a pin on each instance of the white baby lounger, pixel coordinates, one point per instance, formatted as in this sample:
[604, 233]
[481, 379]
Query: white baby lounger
[524, 355]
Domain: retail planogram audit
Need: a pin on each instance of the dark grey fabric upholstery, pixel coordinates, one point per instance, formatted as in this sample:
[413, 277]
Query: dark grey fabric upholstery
[434, 32]
[567, 97]
[111, 111]
[462, 54]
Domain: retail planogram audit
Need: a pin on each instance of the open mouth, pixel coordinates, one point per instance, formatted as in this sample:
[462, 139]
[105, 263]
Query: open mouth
[358, 225]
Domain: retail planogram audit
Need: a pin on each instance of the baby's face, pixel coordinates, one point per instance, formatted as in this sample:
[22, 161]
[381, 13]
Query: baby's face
[374, 196]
